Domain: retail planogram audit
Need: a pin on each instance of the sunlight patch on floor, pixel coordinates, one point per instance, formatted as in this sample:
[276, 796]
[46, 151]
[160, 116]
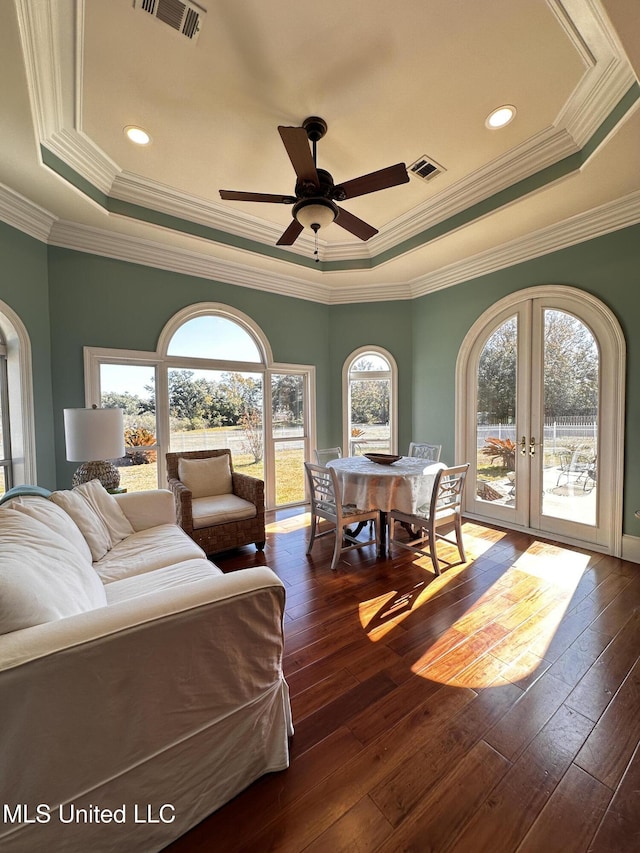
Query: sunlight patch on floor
[382, 614]
[507, 629]
[506, 636]
[287, 525]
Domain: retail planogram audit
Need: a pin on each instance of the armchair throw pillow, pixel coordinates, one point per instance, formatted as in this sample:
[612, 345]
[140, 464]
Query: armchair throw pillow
[206, 477]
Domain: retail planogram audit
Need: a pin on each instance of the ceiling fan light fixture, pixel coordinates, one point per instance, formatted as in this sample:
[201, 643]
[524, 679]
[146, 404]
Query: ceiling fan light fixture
[500, 117]
[315, 213]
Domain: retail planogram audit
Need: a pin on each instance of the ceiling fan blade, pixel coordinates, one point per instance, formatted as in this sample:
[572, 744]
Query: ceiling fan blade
[356, 226]
[374, 181]
[291, 234]
[235, 195]
[296, 142]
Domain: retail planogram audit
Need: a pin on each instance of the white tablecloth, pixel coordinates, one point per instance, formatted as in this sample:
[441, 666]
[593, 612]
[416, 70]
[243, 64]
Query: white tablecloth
[406, 485]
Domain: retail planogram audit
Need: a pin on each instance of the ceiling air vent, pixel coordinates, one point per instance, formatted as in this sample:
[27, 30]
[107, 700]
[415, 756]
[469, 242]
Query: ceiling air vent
[184, 18]
[425, 168]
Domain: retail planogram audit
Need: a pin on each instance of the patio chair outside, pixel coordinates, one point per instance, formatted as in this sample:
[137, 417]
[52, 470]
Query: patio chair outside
[578, 467]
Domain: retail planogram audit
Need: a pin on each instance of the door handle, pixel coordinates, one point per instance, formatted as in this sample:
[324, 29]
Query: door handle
[532, 447]
[523, 445]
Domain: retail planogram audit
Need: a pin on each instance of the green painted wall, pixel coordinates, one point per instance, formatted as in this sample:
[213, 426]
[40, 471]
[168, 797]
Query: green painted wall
[384, 324]
[608, 267]
[71, 299]
[100, 302]
[24, 288]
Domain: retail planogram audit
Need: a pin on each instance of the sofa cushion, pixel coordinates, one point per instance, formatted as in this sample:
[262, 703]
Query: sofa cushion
[56, 519]
[221, 509]
[161, 579]
[97, 514]
[42, 575]
[147, 550]
[204, 477]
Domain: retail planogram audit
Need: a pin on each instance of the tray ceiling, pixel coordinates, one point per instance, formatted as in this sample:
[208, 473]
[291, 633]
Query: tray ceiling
[391, 88]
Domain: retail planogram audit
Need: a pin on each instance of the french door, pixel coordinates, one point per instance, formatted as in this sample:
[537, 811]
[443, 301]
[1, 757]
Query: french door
[540, 414]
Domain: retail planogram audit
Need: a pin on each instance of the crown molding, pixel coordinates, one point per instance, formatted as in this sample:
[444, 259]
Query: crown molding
[20, 213]
[124, 247]
[608, 74]
[79, 153]
[135, 189]
[331, 290]
[41, 45]
[535, 154]
[52, 36]
[609, 217]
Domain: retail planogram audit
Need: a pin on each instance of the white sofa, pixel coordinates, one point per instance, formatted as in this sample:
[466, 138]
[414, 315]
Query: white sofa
[139, 691]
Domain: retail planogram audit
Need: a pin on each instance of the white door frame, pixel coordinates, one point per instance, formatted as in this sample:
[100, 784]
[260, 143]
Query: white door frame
[610, 338]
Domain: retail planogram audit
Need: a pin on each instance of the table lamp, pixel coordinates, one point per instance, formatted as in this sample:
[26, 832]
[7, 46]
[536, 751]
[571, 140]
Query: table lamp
[94, 436]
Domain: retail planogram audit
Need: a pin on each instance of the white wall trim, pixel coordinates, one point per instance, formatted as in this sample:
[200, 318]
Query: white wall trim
[336, 287]
[220, 309]
[20, 213]
[612, 216]
[21, 399]
[631, 548]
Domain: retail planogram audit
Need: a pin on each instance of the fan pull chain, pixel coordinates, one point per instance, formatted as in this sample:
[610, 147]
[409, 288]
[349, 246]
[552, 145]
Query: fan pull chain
[316, 228]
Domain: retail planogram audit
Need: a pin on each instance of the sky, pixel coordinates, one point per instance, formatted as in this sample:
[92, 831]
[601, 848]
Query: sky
[202, 337]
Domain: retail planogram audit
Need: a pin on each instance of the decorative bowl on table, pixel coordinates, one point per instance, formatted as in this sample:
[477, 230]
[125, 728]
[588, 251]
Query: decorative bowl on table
[382, 458]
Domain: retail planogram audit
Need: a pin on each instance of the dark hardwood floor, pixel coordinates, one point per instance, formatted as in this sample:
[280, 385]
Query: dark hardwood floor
[495, 708]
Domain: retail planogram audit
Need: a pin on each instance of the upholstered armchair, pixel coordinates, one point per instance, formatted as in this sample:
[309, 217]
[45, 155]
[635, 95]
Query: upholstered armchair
[218, 507]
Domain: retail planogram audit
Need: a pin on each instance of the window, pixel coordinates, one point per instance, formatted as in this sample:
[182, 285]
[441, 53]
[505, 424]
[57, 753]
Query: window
[212, 383]
[17, 433]
[6, 468]
[370, 402]
[131, 387]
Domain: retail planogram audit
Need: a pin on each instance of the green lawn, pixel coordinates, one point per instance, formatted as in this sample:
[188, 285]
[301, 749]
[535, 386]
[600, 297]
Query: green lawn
[290, 472]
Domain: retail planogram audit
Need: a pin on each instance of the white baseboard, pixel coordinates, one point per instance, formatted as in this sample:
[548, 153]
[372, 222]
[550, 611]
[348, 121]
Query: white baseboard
[631, 548]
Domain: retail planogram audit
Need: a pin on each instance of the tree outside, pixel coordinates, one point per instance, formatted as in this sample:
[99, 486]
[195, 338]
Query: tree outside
[571, 377]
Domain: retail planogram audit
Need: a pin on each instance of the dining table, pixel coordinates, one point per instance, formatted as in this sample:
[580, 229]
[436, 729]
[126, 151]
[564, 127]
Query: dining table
[405, 485]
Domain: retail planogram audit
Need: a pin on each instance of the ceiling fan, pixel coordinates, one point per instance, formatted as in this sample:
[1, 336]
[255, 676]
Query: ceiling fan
[314, 202]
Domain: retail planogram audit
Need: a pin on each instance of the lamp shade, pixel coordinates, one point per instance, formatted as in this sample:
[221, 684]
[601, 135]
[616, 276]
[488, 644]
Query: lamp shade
[93, 434]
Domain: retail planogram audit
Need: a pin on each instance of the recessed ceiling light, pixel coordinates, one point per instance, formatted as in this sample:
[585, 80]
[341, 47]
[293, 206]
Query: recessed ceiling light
[500, 117]
[137, 135]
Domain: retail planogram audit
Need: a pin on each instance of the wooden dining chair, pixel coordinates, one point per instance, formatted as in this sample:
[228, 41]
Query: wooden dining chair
[326, 455]
[443, 509]
[326, 504]
[425, 451]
